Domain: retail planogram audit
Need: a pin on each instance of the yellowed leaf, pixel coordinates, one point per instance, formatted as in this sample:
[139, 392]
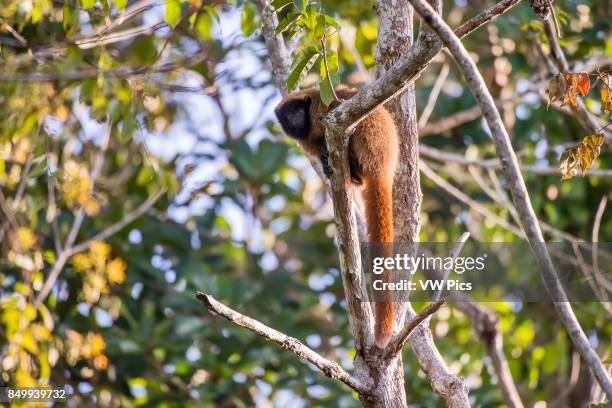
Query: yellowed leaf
[101, 362]
[606, 94]
[115, 271]
[581, 156]
[556, 89]
[96, 343]
[583, 83]
[572, 90]
[25, 239]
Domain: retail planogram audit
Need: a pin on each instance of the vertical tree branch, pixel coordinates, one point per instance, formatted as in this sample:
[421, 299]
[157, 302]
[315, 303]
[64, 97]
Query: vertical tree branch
[433, 95]
[395, 39]
[486, 325]
[359, 311]
[279, 54]
[520, 194]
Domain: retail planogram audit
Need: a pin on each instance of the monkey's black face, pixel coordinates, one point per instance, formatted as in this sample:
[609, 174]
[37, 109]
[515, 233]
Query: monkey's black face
[294, 117]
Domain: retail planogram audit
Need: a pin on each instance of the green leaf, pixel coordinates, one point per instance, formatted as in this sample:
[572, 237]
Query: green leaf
[325, 89]
[293, 30]
[242, 157]
[70, 17]
[247, 20]
[120, 4]
[300, 5]
[87, 89]
[311, 18]
[203, 26]
[301, 65]
[271, 156]
[105, 62]
[331, 22]
[173, 12]
[278, 5]
[320, 27]
[87, 4]
[289, 19]
[38, 170]
[213, 13]
[332, 63]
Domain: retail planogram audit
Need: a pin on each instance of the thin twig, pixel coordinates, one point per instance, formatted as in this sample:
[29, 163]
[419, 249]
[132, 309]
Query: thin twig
[330, 368]
[23, 182]
[329, 80]
[15, 34]
[396, 343]
[553, 15]
[453, 253]
[595, 244]
[51, 214]
[279, 54]
[485, 17]
[502, 196]
[119, 225]
[433, 95]
[495, 164]
[550, 67]
[64, 255]
[473, 204]
[120, 35]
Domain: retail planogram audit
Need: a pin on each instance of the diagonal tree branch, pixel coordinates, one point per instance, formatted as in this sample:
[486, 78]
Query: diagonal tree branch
[473, 113]
[279, 54]
[486, 325]
[112, 229]
[485, 17]
[519, 191]
[330, 368]
[359, 311]
[433, 95]
[404, 72]
[495, 164]
[396, 344]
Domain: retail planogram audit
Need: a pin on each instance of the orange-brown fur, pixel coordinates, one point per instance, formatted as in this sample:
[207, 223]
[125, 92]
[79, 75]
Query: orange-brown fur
[373, 153]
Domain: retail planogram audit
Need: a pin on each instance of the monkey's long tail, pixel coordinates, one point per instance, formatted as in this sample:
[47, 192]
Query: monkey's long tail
[378, 197]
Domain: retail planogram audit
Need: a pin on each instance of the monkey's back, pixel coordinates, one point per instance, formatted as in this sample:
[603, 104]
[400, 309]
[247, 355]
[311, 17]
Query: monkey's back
[375, 144]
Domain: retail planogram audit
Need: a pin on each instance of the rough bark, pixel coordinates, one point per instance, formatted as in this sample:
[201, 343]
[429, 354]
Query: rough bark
[395, 29]
[395, 38]
[510, 167]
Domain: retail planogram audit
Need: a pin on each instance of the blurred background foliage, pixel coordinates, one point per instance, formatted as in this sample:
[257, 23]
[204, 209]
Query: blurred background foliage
[139, 163]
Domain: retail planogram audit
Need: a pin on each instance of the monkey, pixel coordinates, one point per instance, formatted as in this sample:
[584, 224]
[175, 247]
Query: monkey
[373, 155]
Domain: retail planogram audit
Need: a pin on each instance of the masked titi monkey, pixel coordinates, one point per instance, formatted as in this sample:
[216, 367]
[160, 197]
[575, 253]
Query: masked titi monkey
[373, 154]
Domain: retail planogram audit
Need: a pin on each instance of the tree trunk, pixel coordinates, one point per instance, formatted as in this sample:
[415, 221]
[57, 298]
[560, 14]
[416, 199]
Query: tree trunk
[394, 39]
